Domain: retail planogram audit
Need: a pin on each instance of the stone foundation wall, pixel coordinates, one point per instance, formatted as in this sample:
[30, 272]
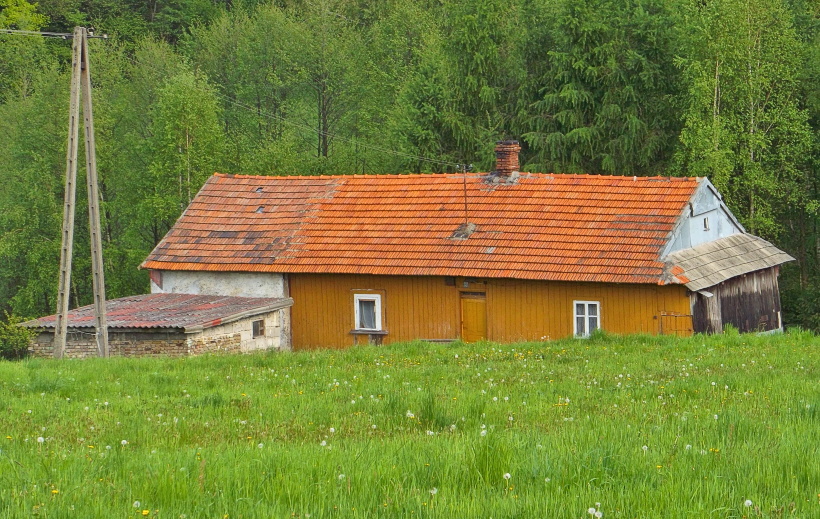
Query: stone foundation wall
[80, 345]
[84, 345]
[215, 344]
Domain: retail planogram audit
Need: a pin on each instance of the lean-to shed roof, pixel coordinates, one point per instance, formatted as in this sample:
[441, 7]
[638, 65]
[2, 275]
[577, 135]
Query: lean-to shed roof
[713, 262]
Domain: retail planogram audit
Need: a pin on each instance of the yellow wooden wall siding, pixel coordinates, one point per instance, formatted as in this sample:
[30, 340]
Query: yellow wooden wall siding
[525, 310]
[412, 308]
[416, 307]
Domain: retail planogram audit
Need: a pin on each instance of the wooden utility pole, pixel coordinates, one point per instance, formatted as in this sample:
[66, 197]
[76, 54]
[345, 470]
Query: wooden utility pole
[81, 83]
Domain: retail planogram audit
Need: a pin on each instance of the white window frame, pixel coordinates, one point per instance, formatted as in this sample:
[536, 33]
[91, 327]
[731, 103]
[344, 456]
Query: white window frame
[378, 310]
[586, 316]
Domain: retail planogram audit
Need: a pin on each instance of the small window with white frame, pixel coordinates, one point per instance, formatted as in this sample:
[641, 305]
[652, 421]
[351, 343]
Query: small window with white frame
[587, 317]
[367, 309]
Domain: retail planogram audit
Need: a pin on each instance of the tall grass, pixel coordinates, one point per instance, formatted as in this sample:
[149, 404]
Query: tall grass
[632, 427]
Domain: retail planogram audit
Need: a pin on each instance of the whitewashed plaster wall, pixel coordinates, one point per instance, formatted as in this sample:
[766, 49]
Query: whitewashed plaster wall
[237, 284]
[276, 336]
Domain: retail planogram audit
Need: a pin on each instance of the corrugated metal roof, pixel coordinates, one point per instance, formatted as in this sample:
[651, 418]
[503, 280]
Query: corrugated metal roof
[180, 311]
[548, 227]
[713, 262]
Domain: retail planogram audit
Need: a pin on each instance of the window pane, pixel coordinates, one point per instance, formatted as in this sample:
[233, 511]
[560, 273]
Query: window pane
[579, 326]
[593, 309]
[579, 309]
[367, 314]
[593, 323]
[258, 328]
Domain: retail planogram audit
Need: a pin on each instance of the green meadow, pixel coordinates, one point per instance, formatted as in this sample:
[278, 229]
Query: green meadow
[634, 427]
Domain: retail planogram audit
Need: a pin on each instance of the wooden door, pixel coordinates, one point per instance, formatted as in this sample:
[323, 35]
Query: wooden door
[473, 316]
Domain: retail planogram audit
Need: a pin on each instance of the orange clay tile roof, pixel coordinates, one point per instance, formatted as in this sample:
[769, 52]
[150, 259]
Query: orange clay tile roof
[547, 227]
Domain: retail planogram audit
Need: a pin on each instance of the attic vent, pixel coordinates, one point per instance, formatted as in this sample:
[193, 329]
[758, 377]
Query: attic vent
[463, 232]
[260, 209]
[258, 189]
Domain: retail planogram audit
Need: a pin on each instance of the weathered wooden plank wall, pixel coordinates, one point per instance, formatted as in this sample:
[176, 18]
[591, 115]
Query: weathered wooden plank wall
[750, 303]
[428, 308]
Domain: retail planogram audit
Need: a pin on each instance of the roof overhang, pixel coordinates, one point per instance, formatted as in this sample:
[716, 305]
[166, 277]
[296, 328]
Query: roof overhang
[714, 262]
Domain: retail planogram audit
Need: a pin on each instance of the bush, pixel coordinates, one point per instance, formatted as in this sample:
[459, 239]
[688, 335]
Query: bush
[14, 339]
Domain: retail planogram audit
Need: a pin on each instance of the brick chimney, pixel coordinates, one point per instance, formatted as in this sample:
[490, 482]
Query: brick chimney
[506, 158]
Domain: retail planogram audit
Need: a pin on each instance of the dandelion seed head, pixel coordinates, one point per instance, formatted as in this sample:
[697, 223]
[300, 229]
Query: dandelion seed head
[747, 503]
[136, 504]
[434, 490]
[40, 439]
[124, 442]
[507, 476]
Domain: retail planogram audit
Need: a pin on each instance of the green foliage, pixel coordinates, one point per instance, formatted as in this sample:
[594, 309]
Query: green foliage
[744, 127]
[602, 86]
[14, 339]
[647, 426]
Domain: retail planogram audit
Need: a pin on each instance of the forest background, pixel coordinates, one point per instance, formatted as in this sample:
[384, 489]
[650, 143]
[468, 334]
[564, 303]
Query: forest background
[728, 89]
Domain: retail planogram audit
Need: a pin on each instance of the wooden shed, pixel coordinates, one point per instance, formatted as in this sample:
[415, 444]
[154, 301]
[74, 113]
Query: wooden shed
[732, 280]
[505, 255]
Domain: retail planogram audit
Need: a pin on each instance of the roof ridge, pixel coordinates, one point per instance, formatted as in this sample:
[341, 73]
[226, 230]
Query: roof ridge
[477, 174]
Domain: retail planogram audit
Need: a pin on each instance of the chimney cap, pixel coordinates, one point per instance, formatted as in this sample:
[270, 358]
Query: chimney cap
[507, 143]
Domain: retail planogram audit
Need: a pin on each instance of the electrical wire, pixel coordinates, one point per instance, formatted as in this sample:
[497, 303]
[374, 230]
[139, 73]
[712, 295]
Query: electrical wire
[259, 112]
[333, 135]
[46, 34]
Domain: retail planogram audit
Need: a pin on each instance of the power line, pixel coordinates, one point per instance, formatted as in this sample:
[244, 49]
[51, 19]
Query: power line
[332, 135]
[46, 34]
[262, 113]
[258, 112]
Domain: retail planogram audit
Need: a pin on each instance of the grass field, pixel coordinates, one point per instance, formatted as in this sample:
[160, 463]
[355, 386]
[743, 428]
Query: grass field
[723, 427]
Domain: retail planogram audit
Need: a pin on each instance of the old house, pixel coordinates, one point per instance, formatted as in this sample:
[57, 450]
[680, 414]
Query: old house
[505, 256]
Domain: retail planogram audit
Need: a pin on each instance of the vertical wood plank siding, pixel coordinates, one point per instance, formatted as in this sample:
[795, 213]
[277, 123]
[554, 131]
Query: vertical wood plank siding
[419, 307]
[750, 303]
